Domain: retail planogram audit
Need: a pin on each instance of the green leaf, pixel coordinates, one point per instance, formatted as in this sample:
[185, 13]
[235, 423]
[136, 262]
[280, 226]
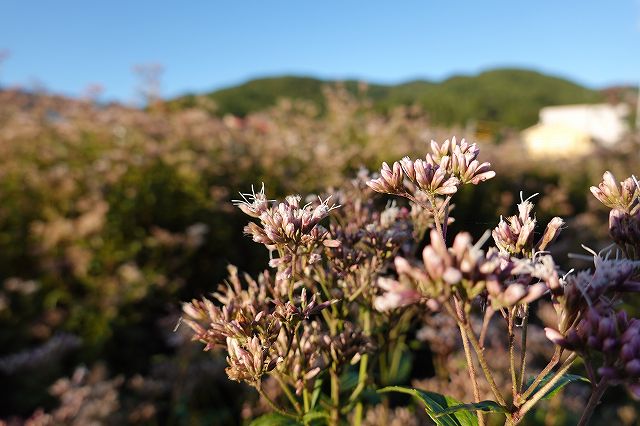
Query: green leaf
[274, 419]
[349, 380]
[404, 371]
[564, 381]
[486, 406]
[436, 404]
[317, 387]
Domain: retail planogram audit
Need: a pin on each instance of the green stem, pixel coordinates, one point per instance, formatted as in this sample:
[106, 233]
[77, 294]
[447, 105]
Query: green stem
[305, 399]
[357, 414]
[547, 387]
[333, 307]
[287, 392]
[272, 404]
[363, 373]
[396, 356]
[335, 395]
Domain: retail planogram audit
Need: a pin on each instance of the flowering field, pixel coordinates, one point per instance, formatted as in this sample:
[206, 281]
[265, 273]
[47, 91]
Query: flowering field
[376, 296]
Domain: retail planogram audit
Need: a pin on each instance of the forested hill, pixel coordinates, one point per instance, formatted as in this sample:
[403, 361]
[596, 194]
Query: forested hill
[509, 97]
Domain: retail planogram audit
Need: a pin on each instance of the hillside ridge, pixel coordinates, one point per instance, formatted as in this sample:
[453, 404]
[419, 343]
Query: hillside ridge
[508, 97]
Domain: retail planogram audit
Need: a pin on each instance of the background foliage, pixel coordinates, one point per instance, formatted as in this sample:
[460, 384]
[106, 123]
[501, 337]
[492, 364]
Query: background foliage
[111, 215]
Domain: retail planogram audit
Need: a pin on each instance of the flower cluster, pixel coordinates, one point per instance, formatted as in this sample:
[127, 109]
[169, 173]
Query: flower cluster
[385, 234]
[624, 197]
[287, 224]
[369, 240]
[610, 337]
[514, 236]
[624, 229]
[448, 166]
[250, 360]
[272, 327]
[581, 292]
[349, 345]
[292, 314]
[462, 270]
[249, 324]
[306, 356]
[624, 218]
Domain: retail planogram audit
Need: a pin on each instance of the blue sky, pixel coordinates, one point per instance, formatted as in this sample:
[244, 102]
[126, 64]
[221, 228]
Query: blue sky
[66, 45]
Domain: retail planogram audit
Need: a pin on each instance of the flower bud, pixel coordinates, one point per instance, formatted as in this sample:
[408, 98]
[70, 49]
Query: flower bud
[594, 343]
[627, 353]
[551, 232]
[407, 166]
[606, 328]
[633, 367]
[609, 345]
[514, 293]
[554, 336]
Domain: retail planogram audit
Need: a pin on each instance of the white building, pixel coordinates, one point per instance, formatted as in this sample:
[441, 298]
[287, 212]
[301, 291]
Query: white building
[572, 129]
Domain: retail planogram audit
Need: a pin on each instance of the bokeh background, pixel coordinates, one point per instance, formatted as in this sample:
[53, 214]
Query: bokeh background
[127, 127]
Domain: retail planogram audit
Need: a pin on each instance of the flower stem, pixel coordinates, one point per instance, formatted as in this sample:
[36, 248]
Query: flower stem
[436, 216]
[293, 275]
[396, 356]
[523, 348]
[272, 404]
[512, 355]
[445, 216]
[287, 392]
[335, 396]
[547, 387]
[483, 364]
[488, 314]
[472, 371]
[305, 399]
[363, 373]
[594, 400]
[552, 363]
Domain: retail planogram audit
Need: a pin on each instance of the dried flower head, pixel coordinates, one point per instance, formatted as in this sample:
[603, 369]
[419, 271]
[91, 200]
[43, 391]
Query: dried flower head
[253, 204]
[349, 345]
[441, 172]
[397, 294]
[624, 197]
[390, 180]
[249, 360]
[460, 160]
[287, 224]
[307, 356]
[514, 236]
[290, 313]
